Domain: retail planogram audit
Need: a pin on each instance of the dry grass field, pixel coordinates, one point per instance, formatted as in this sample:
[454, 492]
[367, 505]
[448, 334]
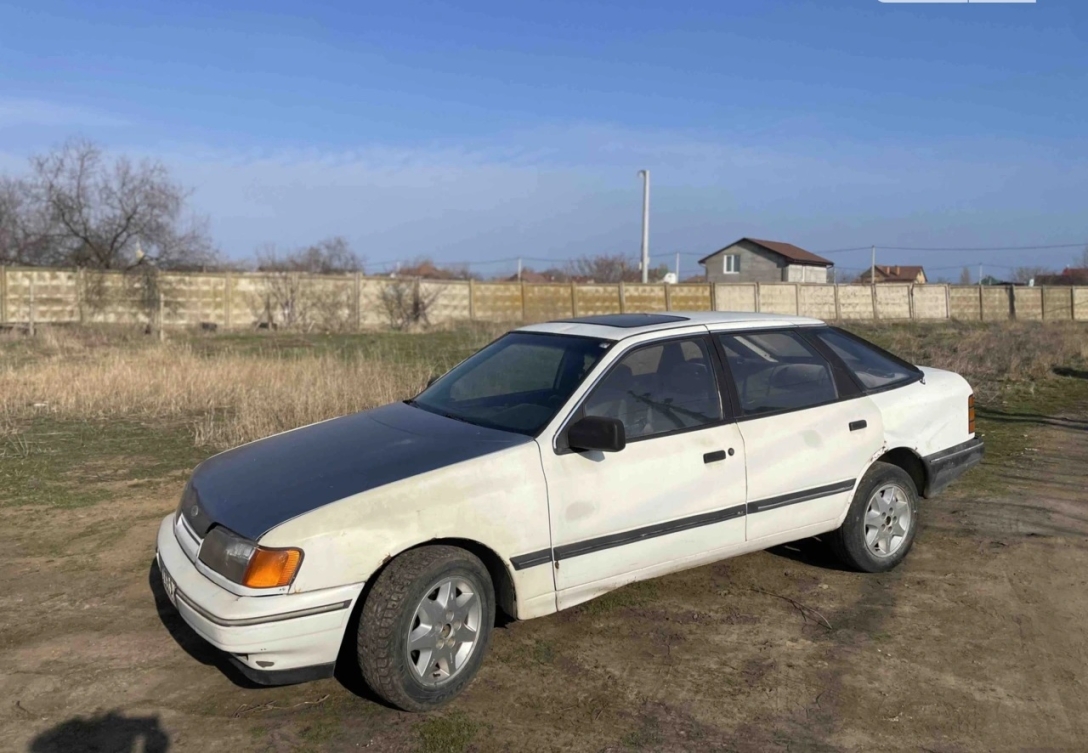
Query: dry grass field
[979, 642]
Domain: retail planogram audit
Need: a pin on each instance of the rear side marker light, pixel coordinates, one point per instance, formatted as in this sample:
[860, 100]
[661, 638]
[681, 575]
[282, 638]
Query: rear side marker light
[971, 414]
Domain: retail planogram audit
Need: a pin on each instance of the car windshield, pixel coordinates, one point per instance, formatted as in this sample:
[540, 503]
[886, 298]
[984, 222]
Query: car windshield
[517, 383]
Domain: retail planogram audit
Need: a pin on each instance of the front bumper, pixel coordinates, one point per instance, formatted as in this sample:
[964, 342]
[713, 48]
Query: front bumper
[944, 467]
[273, 640]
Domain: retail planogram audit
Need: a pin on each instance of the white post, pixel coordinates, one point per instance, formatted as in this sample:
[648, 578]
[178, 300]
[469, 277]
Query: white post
[519, 269]
[162, 335]
[30, 323]
[645, 224]
[872, 269]
[678, 266]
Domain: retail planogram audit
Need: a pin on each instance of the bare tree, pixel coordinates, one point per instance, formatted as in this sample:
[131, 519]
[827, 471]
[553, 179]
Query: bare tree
[100, 211]
[294, 299]
[1027, 274]
[326, 257]
[23, 230]
[1082, 261]
[965, 276]
[612, 268]
[407, 304]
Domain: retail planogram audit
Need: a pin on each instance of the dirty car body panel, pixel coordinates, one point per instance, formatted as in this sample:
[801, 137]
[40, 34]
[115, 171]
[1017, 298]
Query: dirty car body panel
[742, 431]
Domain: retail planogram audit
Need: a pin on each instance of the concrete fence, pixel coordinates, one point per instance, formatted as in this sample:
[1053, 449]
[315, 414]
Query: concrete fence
[346, 302]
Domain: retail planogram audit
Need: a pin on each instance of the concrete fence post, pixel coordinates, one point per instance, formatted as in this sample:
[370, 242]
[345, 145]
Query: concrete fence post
[3, 294]
[573, 299]
[910, 302]
[471, 300]
[981, 304]
[228, 302]
[623, 298]
[524, 316]
[1042, 304]
[30, 323]
[713, 296]
[162, 317]
[948, 302]
[668, 296]
[357, 297]
[757, 298]
[838, 304]
[876, 311]
[797, 298]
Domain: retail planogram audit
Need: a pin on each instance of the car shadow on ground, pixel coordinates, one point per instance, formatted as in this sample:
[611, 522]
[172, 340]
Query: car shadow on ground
[106, 732]
[186, 637]
[812, 551]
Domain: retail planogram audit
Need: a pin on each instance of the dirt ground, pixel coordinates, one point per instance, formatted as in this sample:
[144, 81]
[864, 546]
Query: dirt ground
[979, 642]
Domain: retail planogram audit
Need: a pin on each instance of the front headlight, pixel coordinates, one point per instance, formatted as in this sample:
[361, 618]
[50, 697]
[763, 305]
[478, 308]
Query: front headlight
[243, 562]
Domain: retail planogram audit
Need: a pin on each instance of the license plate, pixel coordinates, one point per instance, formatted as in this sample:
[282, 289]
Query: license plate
[169, 586]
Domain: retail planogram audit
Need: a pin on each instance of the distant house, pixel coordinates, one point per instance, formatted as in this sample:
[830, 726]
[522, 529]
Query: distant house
[895, 273]
[1069, 276]
[753, 260]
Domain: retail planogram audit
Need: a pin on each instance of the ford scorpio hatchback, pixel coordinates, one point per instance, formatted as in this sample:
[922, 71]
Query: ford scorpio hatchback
[560, 462]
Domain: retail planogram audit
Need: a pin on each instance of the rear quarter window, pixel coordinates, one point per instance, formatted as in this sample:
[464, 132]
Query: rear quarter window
[872, 367]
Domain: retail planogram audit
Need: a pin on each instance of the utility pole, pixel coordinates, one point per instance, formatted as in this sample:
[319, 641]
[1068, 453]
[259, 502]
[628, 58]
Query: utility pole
[645, 224]
[519, 269]
[678, 266]
[872, 269]
[980, 275]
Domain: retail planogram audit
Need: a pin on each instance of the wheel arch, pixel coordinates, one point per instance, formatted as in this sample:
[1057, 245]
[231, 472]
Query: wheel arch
[911, 463]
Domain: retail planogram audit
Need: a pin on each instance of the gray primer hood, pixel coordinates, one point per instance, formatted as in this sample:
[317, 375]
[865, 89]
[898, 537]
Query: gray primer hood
[257, 486]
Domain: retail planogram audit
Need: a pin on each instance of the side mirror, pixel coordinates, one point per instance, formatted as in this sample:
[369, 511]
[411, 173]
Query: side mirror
[597, 433]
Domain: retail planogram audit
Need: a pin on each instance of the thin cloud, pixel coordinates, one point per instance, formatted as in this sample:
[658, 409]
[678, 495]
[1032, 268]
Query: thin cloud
[17, 113]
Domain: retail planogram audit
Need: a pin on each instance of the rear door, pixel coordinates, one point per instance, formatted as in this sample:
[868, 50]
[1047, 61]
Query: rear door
[809, 433]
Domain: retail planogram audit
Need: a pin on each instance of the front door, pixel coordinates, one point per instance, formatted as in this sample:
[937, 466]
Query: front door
[808, 431]
[673, 494]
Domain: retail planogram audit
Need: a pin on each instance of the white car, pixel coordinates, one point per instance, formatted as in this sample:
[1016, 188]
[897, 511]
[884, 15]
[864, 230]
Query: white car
[560, 462]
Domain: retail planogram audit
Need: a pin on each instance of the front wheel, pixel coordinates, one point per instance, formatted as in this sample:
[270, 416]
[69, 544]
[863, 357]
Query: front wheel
[881, 524]
[425, 626]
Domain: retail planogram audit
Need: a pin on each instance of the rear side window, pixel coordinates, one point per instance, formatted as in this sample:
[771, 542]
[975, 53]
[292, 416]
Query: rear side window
[874, 369]
[777, 371]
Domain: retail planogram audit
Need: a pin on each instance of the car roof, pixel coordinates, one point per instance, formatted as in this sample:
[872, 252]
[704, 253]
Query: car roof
[621, 326]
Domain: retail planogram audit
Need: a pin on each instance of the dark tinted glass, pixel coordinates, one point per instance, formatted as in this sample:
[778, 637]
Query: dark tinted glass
[872, 368]
[517, 383]
[776, 371]
[659, 389]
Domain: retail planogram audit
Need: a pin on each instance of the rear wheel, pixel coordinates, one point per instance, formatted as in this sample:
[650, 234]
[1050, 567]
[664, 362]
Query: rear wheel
[425, 626]
[881, 524]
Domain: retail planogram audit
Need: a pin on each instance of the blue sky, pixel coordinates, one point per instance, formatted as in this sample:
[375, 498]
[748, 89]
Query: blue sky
[497, 130]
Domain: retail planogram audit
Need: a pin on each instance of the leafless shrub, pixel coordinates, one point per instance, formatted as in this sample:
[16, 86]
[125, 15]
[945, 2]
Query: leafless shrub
[294, 299]
[407, 304]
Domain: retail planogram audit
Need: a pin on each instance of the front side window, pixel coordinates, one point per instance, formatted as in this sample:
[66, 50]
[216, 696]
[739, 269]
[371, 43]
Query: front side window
[659, 389]
[874, 369]
[731, 264]
[517, 383]
[776, 371]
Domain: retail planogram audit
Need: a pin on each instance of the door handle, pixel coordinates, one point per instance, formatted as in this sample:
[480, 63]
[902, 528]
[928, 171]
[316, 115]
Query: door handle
[714, 457]
[855, 425]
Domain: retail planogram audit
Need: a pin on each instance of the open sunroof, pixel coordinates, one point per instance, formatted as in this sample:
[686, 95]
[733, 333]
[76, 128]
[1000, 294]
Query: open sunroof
[626, 321]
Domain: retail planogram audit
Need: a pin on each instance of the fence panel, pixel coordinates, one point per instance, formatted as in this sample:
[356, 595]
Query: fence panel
[56, 295]
[545, 302]
[735, 296]
[893, 301]
[591, 300]
[996, 303]
[964, 302]
[1057, 303]
[817, 301]
[930, 302]
[1028, 302]
[640, 298]
[689, 297]
[856, 301]
[778, 298]
[1080, 304]
[497, 301]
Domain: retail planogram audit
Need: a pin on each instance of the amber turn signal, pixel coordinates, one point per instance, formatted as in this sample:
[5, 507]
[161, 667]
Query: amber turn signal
[971, 414]
[272, 568]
